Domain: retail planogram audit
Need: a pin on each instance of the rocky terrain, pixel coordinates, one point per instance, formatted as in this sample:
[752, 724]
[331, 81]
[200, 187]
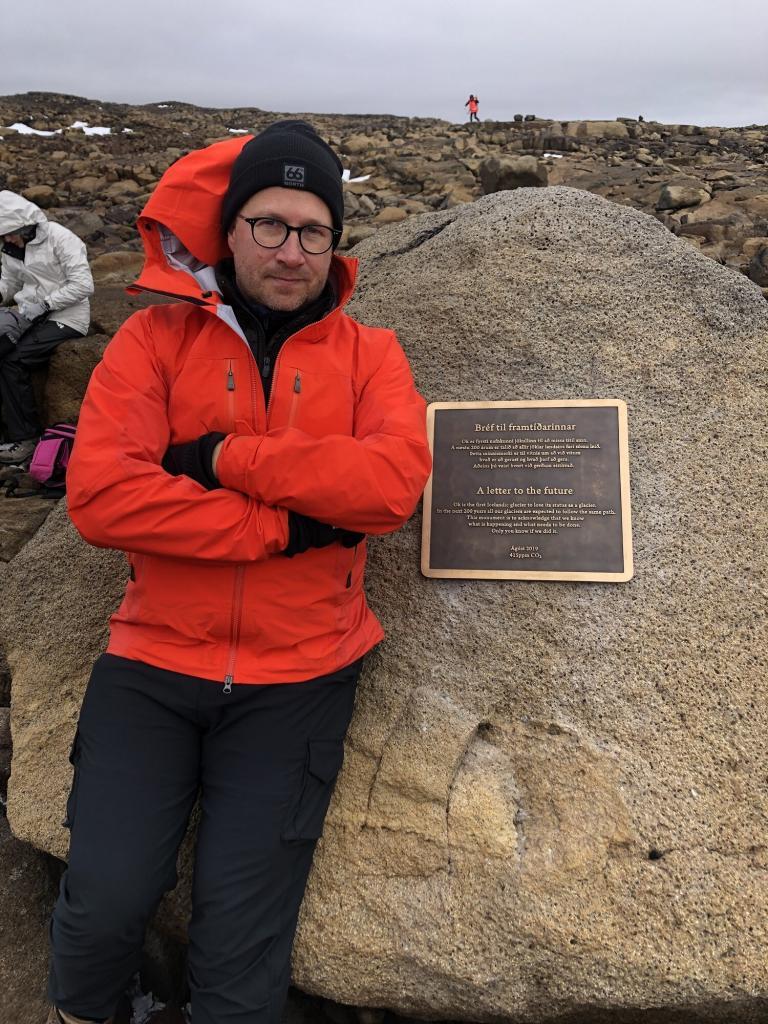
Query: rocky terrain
[707, 184]
[626, 722]
[552, 809]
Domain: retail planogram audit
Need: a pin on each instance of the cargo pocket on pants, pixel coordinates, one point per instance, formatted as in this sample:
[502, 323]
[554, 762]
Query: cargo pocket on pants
[74, 758]
[324, 760]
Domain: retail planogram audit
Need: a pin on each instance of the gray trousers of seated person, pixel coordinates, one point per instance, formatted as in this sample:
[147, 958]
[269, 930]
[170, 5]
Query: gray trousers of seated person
[18, 407]
[264, 760]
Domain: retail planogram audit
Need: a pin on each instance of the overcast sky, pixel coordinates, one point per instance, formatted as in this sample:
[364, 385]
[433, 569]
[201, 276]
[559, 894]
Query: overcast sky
[677, 61]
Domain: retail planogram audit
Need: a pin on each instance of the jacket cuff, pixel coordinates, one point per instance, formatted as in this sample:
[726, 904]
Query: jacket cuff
[236, 466]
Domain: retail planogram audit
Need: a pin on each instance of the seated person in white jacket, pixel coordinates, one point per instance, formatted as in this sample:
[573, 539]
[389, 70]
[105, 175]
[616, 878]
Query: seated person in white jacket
[44, 274]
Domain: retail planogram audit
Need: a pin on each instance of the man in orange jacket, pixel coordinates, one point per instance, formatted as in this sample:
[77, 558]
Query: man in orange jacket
[239, 444]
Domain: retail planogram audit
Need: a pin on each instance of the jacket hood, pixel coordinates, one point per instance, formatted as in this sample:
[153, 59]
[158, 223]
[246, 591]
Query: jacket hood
[181, 233]
[17, 212]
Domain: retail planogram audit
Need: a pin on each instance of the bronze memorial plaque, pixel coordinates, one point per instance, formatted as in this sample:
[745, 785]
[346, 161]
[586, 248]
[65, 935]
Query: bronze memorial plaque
[528, 491]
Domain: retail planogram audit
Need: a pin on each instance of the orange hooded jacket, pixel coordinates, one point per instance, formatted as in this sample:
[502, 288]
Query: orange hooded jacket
[342, 439]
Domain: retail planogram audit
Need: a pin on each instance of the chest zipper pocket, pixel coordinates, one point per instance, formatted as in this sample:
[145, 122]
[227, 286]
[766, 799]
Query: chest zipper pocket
[295, 399]
[231, 396]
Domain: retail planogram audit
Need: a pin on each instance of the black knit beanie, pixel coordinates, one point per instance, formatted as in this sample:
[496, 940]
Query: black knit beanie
[292, 155]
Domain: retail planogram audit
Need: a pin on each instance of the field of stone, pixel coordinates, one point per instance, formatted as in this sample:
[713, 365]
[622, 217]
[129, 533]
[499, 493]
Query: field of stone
[552, 812]
[708, 185]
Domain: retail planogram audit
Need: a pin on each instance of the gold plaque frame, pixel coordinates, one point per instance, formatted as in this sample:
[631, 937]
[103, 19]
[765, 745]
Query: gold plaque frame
[531, 574]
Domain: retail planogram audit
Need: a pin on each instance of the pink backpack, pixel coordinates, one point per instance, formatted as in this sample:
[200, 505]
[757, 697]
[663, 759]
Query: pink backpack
[51, 456]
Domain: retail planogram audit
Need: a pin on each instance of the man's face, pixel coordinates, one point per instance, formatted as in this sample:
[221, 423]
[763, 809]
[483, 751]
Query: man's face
[14, 239]
[287, 277]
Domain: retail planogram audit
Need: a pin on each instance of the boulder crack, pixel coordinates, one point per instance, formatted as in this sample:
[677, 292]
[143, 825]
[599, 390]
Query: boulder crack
[419, 240]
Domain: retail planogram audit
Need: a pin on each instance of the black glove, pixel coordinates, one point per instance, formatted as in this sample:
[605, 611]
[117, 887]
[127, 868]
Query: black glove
[349, 538]
[305, 533]
[194, 459]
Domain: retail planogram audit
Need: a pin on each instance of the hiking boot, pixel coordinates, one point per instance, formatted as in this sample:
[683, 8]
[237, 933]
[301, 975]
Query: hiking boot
[14, 452]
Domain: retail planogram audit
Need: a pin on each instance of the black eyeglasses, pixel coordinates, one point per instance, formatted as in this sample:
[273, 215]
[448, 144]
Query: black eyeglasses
[270, 233]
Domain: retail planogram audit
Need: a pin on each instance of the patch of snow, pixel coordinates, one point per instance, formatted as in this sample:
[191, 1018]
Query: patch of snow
[163, 106]
[557, 156]
[24, 129]
[238, 131]
[90, 131]
[127, 131]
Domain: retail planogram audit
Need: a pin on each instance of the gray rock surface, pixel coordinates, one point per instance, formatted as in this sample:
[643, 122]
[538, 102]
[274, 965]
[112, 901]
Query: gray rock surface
[56, 596]
[5, 682]
[67, 377]
[554, 799]
[5, 748]
[20, 518]
[28, 885]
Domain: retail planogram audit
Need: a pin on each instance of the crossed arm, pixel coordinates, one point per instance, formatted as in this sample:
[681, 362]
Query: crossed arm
[120, 496]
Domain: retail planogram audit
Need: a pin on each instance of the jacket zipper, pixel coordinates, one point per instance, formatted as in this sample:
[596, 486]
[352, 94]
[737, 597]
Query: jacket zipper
[239, 584]
[237, 605]
[254, 384]
[234, 630]
[280, 356]
[274, 380]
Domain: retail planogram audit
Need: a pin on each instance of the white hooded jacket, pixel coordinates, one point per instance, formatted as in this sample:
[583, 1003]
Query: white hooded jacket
[54, 269]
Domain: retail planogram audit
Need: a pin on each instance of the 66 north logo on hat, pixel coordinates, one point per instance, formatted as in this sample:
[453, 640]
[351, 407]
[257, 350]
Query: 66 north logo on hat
[293, 175]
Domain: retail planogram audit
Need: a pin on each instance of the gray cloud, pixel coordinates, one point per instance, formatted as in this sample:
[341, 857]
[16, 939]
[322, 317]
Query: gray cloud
[679, 61]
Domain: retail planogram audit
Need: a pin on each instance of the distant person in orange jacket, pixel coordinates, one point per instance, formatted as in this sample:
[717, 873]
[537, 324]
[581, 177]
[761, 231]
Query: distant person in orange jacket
[473, 103]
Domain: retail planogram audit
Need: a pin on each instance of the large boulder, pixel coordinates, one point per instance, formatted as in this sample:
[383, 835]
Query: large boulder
[678, 197]
[553, 801]
[56, 595]
[68, 373]
[758, 267]
[509, 172]
[42, 195]
[117, 267]
[597, 130]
